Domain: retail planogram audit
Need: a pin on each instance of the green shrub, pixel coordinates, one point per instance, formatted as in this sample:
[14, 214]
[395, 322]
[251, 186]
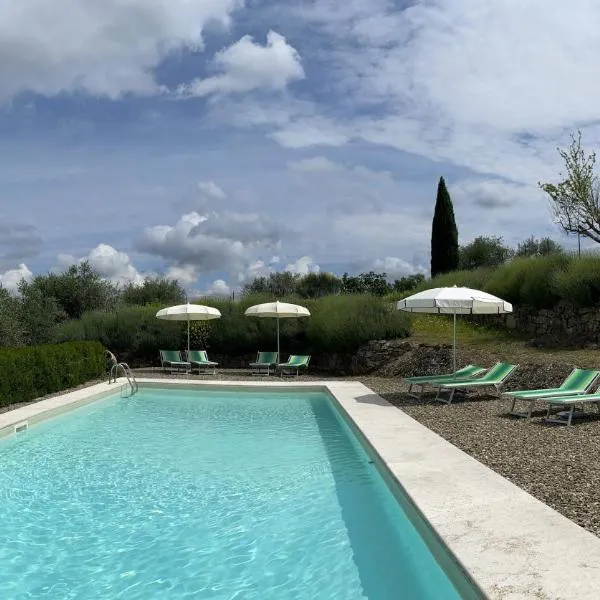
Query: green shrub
[338, 324]
[528, 281]
[536, 281]
[33, 371]
[476, 279]
[344, 323]
[579, 281]
[131, 332]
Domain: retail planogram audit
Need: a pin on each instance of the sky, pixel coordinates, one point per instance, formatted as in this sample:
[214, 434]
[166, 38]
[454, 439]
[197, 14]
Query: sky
[214, 141]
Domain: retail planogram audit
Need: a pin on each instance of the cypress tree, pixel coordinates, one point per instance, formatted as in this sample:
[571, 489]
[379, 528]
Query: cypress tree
[444, 235]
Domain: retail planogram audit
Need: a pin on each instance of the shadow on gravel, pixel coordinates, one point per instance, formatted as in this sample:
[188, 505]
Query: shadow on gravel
[458, 399]
[375, 399]
[402, 399]
[584, 419]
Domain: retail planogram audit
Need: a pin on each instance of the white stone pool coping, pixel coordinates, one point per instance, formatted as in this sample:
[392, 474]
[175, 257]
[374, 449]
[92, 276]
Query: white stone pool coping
[513, 546]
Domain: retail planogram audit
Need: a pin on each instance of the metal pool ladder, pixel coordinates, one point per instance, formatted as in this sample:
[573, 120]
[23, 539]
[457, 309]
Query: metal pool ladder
[133, 385]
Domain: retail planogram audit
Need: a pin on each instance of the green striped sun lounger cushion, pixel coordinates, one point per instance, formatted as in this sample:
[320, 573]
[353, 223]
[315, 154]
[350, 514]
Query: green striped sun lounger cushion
[579, 381]
[296, 360]
[172, 356]
[200, 357]
[578, 399]
[265, 359]
[495, 376]
[465, 372]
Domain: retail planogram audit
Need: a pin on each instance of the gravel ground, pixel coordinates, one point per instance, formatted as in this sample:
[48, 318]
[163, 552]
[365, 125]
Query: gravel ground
[554, 463]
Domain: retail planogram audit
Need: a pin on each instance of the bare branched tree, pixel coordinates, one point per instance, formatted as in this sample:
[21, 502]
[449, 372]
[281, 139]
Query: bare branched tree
[575, 201]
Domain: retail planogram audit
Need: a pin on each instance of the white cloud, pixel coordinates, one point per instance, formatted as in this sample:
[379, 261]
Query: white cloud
[303, 266]
[493, 87]
[343, 189]
[312, 131]
[479, 64]
[212, 190]
[18, 242]
[395, 267]
[376, 233]
[258, 268]
[218, 241]
[111, 264]
[103, 48]
[10, 279]
[217, 289]
[186, 275]
[246, 66]
[317, 163]
[494, 193]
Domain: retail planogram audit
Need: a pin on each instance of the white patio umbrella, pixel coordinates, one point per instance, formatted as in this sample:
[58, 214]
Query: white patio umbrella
[454, 301]
[188, 312]
[278, 310]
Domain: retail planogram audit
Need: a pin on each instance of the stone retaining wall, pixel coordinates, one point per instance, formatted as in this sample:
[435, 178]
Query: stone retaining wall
[565, 324]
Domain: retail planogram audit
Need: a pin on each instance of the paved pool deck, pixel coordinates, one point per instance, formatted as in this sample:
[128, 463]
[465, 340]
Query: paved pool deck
[512, 545]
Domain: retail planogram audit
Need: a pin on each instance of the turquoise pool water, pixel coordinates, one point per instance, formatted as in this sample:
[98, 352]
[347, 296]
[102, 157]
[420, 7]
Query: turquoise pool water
[204, 495]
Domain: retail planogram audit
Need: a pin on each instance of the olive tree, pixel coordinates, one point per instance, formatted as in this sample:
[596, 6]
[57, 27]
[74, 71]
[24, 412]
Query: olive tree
[575, 201]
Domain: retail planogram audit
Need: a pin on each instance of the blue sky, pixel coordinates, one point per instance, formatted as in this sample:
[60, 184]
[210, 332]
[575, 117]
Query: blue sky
[217, 140]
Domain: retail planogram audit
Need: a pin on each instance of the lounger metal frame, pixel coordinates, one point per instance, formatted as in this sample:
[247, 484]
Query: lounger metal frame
[424, 384]
[571, 405]
[528, 413]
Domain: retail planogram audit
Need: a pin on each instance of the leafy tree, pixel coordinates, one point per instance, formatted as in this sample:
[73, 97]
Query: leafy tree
[408, 282]
[366, 283]
[77, 290]
[317, 285]
[12, 332]
[276, 284]
[375, 283]
[352, 284]
[40, 314]
[154, 290]
[444, 234]
[575, 201]
[542, 247]
[484, 251]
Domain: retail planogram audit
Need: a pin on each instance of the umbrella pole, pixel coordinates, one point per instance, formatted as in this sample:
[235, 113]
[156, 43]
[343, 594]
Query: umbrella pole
[188, 352]
[278, 355]
[454, 344]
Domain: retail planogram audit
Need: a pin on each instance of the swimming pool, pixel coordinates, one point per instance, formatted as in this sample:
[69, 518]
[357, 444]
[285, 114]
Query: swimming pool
[206, 494]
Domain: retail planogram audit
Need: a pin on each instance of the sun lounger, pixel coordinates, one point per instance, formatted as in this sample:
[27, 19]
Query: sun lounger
[295, 362]
[265, 362]
[173, 361]
[579, 381]
[495, 378]
[199, 359]
[424, 380]
[569, 402]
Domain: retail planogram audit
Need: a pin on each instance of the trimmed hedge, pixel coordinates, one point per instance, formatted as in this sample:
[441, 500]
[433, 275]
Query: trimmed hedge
[539, 282]
[33, 371]
[337, 324]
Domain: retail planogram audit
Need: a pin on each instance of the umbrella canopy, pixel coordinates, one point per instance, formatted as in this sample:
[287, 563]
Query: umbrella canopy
[188, 312]
[277, 310]
[454, 301]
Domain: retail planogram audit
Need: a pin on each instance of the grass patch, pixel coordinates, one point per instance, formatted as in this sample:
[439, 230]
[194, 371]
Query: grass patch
[486, 345]
[437, 329]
